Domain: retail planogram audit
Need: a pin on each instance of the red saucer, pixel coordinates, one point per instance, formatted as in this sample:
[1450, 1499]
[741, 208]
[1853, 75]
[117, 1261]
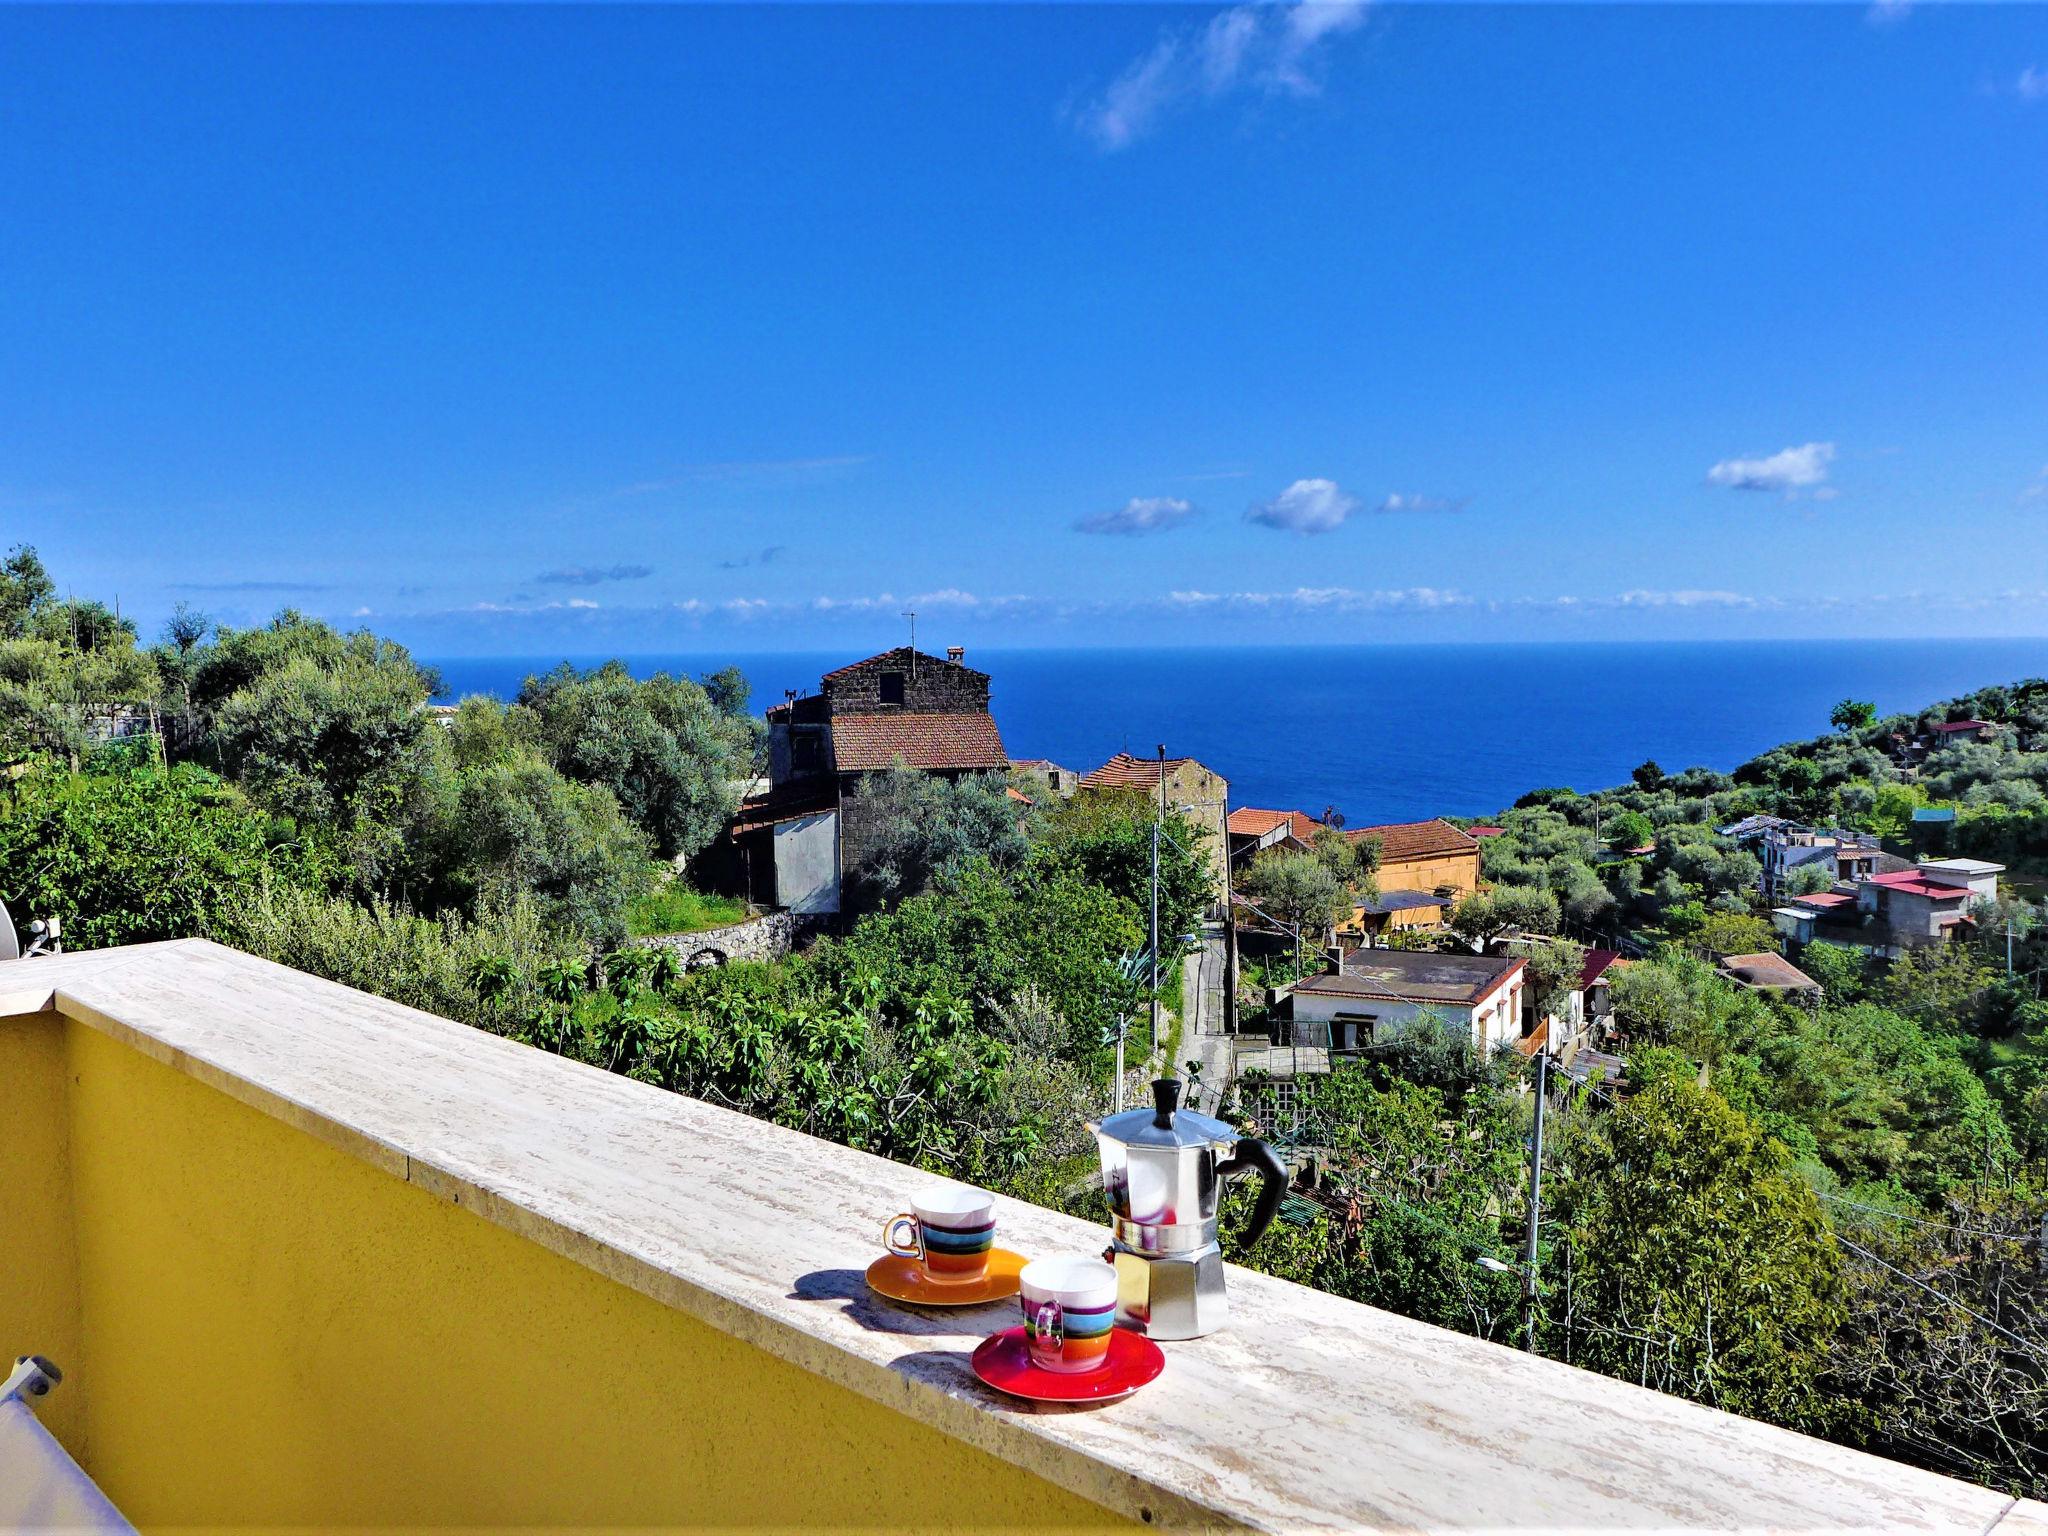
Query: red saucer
[1003, 1360]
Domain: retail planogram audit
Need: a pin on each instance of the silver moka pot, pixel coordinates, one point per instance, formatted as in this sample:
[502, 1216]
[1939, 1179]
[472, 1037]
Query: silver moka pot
[1163, 1173]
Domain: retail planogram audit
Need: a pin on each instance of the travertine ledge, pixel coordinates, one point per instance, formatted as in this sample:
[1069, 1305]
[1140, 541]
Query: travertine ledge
[1308, 1412]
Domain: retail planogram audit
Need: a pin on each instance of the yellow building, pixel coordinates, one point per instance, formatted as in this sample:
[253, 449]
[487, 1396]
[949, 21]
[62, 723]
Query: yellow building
[314, 1261]
[1431, 856]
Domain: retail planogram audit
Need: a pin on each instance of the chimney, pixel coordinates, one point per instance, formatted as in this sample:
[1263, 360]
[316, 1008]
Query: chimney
[956, 652]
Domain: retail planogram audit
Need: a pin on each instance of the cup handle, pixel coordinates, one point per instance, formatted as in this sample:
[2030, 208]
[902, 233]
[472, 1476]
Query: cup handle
[911, 1249]
[1051, 1328]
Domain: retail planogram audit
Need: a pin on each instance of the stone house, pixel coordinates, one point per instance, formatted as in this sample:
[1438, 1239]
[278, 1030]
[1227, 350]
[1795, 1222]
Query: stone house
[802, 841]
[1201, 794]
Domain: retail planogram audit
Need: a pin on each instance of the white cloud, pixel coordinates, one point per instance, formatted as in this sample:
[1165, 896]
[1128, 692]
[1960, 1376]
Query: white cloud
[1789, 470]
[1307, 506]
[2032, 84]
[1272, 49]
[1141, 514]
[1885, 13]
[1331, 599]
[1684, 599]
[1400, 503]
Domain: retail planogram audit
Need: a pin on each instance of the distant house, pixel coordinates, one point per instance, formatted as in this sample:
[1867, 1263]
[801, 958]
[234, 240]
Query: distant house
[1784, 846]
[1768, 972]
[1431, 856]
[1393, 911]
[801, 841]
[1909, 749]
[1061, 781]
[1889, 913]
[1425, 866]
[1201, 794]
[1251, 832]
[1376, 994]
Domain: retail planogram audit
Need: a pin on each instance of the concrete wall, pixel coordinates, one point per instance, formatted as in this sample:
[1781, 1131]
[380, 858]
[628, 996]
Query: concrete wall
[258, 1330]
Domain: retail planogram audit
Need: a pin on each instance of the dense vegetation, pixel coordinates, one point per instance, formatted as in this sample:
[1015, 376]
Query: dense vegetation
[1827, 1216]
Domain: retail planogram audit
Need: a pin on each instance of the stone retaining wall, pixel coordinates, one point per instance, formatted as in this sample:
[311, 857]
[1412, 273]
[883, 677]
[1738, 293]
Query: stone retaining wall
[758, 938]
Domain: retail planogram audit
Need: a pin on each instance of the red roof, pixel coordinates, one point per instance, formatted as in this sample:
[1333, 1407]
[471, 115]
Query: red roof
[1951, 726]
[1247, 822]
[1485, 831]
[1127, 772]
[1404, 840]
[1597, 962]
[865, 743]
[1914, 885]
[1820, 899]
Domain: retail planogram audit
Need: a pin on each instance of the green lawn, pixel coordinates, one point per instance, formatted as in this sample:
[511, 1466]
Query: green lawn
[678, 909]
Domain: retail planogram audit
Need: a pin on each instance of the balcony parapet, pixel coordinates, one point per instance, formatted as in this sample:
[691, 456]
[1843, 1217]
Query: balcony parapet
[1309, 1412]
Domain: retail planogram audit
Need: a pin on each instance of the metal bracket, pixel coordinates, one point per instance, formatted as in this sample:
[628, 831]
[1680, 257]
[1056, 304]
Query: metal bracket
[33, 1376]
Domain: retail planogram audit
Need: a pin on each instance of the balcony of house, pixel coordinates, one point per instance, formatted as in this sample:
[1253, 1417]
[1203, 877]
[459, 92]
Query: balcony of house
[313, 1259]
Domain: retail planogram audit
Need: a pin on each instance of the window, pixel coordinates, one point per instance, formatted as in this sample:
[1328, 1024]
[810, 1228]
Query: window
[892, 687]
[806, 752]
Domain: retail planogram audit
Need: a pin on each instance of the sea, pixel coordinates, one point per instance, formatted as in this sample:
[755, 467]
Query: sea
[1401, 732]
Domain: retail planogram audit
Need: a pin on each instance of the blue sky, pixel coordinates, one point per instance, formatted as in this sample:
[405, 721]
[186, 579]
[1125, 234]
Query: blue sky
[517, 331]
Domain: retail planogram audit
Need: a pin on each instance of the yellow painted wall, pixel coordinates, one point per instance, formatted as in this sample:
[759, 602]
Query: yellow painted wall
[278, 1334]
[38, 1263]
[1458, 869]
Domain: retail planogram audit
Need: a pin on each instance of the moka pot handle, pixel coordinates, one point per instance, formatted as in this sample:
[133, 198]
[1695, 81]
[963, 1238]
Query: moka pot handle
[1250, 1155]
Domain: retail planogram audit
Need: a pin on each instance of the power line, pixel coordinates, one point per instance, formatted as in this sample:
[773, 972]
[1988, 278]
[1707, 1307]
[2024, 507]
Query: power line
[1939, 1295]
[1923, 1221]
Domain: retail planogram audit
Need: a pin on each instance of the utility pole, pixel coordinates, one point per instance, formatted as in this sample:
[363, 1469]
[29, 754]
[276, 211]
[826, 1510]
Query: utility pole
[1535, 1204]
[1158, 815]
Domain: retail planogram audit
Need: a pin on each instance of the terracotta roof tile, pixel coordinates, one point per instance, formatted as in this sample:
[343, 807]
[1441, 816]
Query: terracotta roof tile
[1127, 772]
[1247, 822]
[1403, 840]
[866, 743]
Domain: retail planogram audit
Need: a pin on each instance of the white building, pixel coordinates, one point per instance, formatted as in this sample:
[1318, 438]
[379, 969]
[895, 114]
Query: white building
[1378, 993]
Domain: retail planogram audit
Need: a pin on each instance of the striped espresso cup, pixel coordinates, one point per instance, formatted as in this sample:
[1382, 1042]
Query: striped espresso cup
[948, 1229]
[1069, 1311]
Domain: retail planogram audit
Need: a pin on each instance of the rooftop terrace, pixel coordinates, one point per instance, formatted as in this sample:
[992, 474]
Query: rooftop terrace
[312, 1258]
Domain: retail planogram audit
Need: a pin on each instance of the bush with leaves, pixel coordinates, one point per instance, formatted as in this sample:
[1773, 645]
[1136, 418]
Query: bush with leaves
[126, 854]
[1693, 1260]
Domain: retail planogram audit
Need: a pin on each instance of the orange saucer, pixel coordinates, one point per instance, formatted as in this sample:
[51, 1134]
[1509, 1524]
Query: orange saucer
[904, 1279]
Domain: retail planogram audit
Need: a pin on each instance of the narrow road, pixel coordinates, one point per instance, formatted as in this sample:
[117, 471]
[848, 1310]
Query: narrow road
[1202, 1036]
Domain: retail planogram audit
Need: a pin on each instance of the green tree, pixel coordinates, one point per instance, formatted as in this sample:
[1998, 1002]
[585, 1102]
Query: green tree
[1735, 933]
[1695, 1261]
[521, 829]
[1629, 829]
[1299, 890]
[1105, 838]
[663, 747]
[1485, 915]
[914, 827]
[1852, 715]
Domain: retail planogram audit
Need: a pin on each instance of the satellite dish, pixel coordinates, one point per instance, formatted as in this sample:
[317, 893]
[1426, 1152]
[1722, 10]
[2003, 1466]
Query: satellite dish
[10, 946]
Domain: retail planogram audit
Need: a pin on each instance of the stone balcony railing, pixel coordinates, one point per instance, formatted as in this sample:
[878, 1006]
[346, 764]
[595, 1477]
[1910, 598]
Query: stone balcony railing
[313, 1259]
